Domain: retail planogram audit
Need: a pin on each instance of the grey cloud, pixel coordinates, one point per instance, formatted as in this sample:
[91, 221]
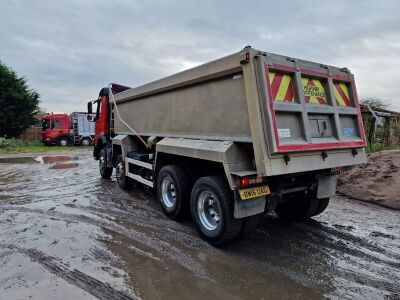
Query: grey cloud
[70, 49]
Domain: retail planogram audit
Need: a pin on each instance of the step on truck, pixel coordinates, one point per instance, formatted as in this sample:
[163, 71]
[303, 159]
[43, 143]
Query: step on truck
[232, 138]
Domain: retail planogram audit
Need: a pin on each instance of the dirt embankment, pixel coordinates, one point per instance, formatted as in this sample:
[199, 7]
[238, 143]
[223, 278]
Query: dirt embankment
[377, 182]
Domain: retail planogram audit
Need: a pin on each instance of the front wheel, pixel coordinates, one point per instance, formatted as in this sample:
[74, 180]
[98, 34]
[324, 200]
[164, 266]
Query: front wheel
[105, 171]
[86, 142]
[63, 141]
[212, 211]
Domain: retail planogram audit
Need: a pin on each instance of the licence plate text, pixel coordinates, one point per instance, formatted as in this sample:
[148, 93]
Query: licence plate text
[254, 192]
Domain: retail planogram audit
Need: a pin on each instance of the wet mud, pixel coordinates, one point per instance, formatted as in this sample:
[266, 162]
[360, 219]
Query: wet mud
[65, 233]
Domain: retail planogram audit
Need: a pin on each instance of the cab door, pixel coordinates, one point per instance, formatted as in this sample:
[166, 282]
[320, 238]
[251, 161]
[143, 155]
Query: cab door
[102, 127]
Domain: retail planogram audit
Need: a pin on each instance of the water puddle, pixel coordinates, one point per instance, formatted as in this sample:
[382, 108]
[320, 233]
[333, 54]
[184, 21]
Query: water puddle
[64, 166]
[56, 162]
[19, 160]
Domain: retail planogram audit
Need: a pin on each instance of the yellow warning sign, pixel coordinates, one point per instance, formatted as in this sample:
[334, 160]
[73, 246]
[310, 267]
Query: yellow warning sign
[313, 90]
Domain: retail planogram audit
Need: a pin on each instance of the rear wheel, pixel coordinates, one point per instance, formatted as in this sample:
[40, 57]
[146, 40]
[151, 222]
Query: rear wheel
[173, 190]
[323, 204]
[300, 206]
[86, 142]
[212, 210]
[63, 141]
[123, 181]
[105, 171]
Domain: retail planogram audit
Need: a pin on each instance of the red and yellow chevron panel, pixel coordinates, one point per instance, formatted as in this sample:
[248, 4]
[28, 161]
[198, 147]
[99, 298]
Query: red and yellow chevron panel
[314, 91]
[281, 87]
[342, 94]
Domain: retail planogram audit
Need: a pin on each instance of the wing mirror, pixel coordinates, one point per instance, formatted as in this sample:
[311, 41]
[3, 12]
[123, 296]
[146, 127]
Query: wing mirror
[90, 108]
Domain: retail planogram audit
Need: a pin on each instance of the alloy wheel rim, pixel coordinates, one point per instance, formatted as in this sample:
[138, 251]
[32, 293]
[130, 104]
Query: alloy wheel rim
[168, 193]
[101, 163]
[119, 172]
[208, 210]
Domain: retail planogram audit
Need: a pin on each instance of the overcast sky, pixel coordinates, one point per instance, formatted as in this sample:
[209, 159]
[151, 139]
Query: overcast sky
[68, 50]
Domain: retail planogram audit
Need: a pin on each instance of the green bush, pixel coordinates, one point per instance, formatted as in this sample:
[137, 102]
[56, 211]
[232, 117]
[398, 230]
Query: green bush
[9, 144]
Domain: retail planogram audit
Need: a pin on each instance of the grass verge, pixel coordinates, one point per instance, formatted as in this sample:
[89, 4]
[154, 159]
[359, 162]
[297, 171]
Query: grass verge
[24, 146]
[376, 147]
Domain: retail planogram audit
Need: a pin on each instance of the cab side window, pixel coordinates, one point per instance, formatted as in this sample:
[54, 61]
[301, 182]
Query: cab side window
[56, 124]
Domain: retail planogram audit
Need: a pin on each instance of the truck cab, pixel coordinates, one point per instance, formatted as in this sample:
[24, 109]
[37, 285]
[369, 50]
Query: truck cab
[103, 117]
[56, 129]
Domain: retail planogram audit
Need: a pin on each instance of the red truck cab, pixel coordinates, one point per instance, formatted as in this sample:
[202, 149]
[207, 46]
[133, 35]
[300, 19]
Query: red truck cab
[104, 130]
[56, 129]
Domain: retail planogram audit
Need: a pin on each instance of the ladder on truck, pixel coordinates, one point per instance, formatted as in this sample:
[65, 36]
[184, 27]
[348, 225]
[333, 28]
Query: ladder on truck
[76, 138]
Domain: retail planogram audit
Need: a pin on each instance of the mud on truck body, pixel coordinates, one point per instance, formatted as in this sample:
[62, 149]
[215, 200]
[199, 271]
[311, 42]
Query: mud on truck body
[230, 139]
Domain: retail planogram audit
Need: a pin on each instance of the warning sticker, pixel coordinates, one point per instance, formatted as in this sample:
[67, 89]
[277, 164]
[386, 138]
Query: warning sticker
[313, 90]
[349, 131]
[284, 132]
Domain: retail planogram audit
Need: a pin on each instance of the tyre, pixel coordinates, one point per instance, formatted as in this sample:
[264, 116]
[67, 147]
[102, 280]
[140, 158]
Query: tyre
[212, 211]
[173, 191]
[323, 204]
[86, 142]
[123, 181]
[63, 141]
[300, 206]
[105, 171]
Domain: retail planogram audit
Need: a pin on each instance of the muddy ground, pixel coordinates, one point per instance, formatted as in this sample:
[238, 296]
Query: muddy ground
[377, 182]
[67, 234]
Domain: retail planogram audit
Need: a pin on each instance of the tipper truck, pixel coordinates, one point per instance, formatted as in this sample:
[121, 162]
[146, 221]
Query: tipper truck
[63, 129]
[232, 138]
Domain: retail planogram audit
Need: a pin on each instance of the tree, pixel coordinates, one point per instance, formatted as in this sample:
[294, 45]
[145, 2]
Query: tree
[18, 103]
[375, 102]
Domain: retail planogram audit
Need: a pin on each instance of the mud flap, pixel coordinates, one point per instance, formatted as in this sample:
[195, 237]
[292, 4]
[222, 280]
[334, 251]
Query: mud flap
[326, 186]
[247, 208]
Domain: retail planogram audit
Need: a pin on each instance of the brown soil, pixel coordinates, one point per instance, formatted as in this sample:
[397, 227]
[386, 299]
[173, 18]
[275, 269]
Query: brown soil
[377, 182]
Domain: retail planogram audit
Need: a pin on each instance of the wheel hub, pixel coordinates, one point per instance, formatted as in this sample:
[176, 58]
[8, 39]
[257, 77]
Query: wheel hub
[101, 162]
[208, 210]
[168, 193]
[119, 171]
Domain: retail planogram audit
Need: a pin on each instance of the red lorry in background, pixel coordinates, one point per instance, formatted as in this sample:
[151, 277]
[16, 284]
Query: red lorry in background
[63, 129]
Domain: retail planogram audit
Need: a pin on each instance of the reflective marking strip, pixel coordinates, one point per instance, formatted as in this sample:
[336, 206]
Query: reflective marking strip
[342, 94]
[271, 77]
[281, 87]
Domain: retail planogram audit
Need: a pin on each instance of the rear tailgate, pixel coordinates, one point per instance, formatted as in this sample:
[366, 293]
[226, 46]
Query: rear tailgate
[311, 106]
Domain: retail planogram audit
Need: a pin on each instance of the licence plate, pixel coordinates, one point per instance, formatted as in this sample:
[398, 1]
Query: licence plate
[254, 192]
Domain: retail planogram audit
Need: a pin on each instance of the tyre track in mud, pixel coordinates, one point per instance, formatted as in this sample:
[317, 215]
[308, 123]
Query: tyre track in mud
[160, 246]
[101, 290]
[332, 256]
[361, 253]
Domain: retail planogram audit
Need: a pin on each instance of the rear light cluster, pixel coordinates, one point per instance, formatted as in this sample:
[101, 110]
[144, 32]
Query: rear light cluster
[251, 180]
[338, 170]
